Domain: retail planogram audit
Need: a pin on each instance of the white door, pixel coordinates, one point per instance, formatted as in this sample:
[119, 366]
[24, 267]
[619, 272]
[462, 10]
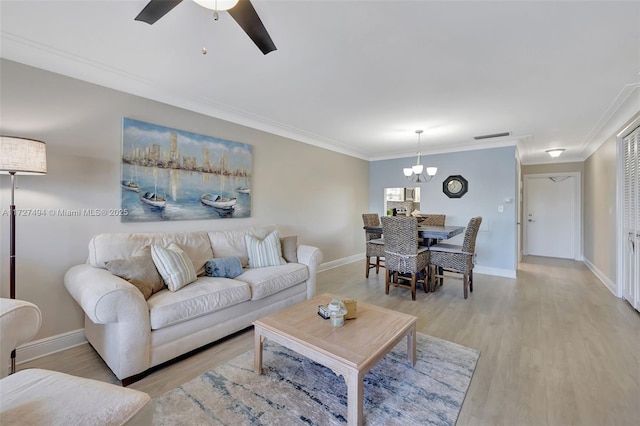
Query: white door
[631, 225]
[550, 216]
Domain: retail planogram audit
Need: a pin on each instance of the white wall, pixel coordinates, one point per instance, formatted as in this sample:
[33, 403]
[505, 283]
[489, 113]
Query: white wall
[491, 174]
[316, 194]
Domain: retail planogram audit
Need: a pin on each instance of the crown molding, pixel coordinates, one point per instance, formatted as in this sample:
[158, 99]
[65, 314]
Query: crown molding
[48, 58]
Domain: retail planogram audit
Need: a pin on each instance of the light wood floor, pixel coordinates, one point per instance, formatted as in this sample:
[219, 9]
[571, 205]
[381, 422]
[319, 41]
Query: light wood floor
[557, 348]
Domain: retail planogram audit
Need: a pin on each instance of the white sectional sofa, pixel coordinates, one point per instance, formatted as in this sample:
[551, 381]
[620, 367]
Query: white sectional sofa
[132, 334]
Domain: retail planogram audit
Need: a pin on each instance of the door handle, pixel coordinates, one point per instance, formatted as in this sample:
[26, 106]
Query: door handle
[531, 220]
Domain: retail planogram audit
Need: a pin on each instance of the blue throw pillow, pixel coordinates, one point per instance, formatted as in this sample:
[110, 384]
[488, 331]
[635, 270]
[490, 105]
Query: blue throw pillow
[226, 267]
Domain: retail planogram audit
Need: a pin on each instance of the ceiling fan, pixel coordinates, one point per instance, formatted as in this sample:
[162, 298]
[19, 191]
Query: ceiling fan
[243, 13]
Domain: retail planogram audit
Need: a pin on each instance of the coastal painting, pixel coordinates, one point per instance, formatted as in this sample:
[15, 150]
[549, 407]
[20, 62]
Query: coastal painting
[171, 174]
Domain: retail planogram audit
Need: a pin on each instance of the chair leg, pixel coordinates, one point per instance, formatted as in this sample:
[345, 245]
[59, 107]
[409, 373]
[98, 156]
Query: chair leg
[414, 279]
[386, 282]
[471, 281]
[466, 285]
[432, 273]
[425, 283]
[367, 265]
[377, 264]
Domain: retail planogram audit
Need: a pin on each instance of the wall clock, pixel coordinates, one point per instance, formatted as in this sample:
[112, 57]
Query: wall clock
[455, 186]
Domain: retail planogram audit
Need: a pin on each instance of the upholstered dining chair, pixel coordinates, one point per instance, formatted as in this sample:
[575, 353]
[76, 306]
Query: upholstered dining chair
[374, 243]
[405, 261]
[456, 259]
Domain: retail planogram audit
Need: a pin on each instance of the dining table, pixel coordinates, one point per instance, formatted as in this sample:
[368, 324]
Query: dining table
[429, 233]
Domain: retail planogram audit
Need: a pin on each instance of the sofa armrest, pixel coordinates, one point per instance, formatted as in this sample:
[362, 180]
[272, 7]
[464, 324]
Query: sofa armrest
[19, 323]
[104, 297]
[312, 257]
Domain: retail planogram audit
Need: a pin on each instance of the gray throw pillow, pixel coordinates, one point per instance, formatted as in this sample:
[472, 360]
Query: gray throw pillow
[290, 248]
[138, 270]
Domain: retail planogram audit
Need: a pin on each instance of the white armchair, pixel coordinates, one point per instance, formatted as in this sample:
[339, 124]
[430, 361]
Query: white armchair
[49, 398]
[19, 323]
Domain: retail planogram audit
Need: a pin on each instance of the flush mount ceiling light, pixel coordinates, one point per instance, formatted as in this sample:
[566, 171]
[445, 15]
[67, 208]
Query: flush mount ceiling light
[415, 173]
[555, 153]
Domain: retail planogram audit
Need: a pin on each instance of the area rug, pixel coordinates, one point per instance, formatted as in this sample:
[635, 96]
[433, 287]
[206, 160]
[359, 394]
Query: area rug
[294, 390]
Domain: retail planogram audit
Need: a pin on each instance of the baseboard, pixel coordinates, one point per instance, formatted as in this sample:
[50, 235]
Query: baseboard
[496, 272]
[613, 288]
[50, 345]
[340, 262]
[485, 270]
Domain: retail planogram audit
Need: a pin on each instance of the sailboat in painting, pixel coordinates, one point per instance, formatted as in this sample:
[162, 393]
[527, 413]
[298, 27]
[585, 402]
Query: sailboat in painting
[152, 198]
[218, 201]
[130, 185]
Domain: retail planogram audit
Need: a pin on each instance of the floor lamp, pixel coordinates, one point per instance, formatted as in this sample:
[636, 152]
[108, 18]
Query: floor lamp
[19, 156]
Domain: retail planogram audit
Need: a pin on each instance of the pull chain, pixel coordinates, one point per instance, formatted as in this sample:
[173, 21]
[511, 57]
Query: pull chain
[204, 29]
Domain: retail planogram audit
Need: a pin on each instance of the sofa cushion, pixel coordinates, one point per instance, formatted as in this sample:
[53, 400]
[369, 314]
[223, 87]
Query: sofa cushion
[42, 397]
[206, 295]
[138, 270]
[105, 247]
[264, 252]
[232, 244]
[290, 248]
[174, 265]
[272, 279]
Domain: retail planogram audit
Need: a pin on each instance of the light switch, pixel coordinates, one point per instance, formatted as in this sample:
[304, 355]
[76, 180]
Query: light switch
[500, 209]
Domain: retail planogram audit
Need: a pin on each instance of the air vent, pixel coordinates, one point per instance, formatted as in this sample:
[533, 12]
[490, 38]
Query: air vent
[495, 135]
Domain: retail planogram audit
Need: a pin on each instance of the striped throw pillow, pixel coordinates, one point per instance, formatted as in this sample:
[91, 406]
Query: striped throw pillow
[174, 266]
[265, 252]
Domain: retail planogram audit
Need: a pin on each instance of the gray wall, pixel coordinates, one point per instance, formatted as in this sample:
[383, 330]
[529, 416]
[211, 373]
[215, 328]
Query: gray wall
[600, 209]
[491, 174]
[310, 192]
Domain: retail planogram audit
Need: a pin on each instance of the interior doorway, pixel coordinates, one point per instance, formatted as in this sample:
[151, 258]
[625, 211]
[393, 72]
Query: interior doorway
[551, 217]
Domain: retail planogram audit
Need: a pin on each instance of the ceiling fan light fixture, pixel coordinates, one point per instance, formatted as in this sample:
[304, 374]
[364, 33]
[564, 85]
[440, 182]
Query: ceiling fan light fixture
[217, 4]
[555, 153]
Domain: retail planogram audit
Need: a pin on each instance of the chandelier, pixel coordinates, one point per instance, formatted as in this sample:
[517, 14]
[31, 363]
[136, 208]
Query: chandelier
[416, 173]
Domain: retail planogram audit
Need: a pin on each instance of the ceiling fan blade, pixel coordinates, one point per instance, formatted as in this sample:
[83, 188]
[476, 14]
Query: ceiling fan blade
[155, 10]
[246, 16]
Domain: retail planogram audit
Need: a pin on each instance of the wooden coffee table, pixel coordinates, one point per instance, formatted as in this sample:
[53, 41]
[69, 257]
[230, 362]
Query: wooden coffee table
[350, 351]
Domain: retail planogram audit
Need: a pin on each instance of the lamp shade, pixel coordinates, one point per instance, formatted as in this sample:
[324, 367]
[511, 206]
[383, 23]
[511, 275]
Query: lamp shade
[22, 156]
